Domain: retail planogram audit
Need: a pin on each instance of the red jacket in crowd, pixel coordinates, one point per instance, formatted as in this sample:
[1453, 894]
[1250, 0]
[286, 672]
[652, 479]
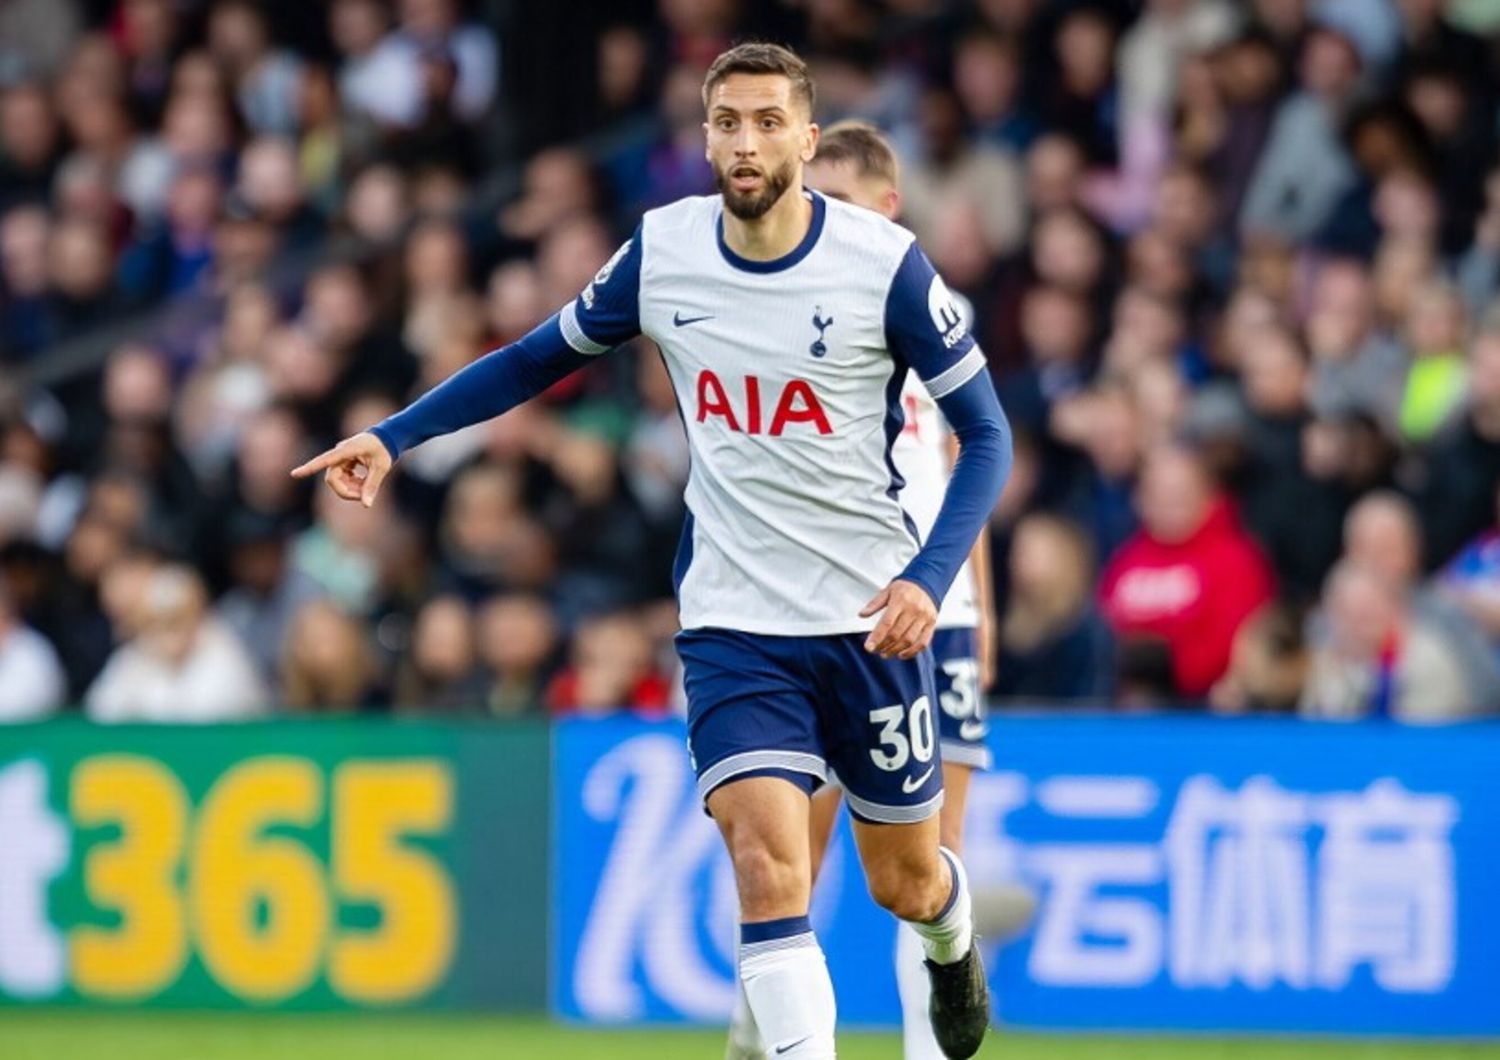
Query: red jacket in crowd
[1193, 594]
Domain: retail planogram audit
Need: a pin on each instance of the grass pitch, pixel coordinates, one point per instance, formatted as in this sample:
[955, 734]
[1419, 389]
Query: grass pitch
[63, 1035]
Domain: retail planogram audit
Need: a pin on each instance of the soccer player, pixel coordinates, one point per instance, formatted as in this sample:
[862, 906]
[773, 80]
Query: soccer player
[855, 164]
[788, 322]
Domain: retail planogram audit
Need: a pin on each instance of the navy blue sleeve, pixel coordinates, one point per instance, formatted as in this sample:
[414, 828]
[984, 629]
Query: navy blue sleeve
[925, 329]
[608, 311]
[496, 383]
[605, 314]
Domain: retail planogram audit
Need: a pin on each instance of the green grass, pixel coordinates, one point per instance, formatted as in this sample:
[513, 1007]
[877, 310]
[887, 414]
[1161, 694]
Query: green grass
[61, 1035]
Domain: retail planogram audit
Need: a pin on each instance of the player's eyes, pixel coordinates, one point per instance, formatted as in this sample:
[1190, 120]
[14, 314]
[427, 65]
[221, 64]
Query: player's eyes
[769, 124]
[725, 124]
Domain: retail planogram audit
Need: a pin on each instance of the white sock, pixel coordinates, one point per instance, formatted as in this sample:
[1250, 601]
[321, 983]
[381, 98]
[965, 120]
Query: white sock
[947, 938]
[917, 1040]
[786, 981]
[744, 1035]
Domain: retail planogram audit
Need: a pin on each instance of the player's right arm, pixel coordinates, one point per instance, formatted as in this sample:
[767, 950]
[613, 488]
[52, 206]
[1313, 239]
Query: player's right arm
[604, 315]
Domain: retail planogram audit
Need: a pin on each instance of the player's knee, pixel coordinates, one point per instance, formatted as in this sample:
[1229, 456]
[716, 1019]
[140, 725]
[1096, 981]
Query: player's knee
[768, 882]
[910, 888]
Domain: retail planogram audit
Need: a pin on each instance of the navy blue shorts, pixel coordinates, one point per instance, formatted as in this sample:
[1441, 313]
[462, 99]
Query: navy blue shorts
[802, 707]
[962, 724]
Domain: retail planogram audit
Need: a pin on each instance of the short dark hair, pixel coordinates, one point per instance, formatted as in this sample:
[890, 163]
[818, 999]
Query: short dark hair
[862, 144]
[762, 57]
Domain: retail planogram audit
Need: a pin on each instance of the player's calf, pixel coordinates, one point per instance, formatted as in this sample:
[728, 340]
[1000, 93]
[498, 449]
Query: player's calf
[912, 884]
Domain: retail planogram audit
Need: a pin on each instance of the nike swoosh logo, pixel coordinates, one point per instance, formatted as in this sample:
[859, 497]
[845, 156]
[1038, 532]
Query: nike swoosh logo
[783, 1049]
[678, 320]
[911, 784]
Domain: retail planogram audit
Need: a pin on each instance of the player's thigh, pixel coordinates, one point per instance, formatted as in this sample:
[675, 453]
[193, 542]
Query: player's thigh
[824, 816]
[750, 711]
[962, 721]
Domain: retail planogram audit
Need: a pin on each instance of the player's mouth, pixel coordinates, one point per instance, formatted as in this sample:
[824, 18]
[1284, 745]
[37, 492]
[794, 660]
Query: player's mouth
[745, 178]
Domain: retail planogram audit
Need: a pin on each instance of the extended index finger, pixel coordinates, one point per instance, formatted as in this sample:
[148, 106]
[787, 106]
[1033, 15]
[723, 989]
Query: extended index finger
[321, 462]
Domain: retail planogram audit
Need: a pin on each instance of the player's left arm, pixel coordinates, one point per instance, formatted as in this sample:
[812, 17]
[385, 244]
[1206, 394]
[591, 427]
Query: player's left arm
[984, 587]
[925, 330]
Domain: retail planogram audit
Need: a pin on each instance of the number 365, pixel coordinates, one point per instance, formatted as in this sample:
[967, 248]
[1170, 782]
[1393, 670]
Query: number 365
[259, 907]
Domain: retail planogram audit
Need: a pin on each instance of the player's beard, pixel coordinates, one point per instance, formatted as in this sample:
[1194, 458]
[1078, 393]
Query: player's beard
[753, 206]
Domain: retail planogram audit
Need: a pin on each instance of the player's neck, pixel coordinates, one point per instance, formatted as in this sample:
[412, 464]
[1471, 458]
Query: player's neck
[775, 233]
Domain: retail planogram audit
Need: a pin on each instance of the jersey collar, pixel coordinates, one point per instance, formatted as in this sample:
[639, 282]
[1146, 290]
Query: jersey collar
[787, 260]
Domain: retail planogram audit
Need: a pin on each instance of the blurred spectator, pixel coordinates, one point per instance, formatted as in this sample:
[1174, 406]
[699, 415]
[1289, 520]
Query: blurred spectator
[270, 186]
[1382, 534]
[180, 664]
[338, 552]
[1429, 38]
[518, 639]
[1379, 659]
[265, 591]
[390, 87]
[1462, 467]
[1305, 168]
[558, 184]
[1224, 125]
[26, 315]
[170, 257]
[489, 542]
[328, 663]
[987, 75]
[611, 667]
[1267, 666]
[1105, 423]
[1083, 100]
[1053, 642]
[32, 684]
[1472, 579]
[1295, 515]
[1152, 52]
[265, 79]
[1055, 330]
[83, 293]
[35, 35]
[952, 171]
[1356, 366]
[442, 671]
[1436, 380]
[1189, 578]
[30, 143]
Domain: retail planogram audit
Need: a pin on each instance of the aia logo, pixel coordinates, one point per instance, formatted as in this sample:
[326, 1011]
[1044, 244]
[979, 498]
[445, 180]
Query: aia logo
[819, 347]
[797, 403]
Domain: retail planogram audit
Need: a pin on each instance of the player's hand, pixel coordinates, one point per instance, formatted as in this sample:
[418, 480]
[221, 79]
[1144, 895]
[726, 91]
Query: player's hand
[905, 629]
[354, 468]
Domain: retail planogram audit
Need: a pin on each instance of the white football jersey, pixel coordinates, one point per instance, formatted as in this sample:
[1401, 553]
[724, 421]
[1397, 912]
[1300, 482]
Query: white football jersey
[789, 376]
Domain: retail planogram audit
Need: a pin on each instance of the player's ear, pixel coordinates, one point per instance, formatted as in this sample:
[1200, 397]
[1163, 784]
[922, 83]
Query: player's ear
[893, 202]
[810, 141]
[706, 153]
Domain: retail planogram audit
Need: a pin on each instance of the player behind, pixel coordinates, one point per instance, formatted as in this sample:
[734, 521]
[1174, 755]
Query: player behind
[787, 322]
[855, 164]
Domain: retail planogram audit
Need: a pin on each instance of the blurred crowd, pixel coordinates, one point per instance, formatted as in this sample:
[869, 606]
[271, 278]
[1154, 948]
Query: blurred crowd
[1234, 266]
